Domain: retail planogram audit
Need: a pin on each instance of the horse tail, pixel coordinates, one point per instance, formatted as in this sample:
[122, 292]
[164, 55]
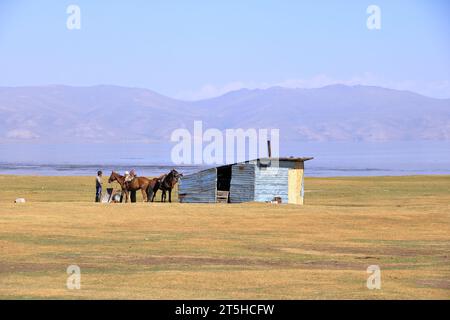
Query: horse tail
[149, 192]
[152, 188]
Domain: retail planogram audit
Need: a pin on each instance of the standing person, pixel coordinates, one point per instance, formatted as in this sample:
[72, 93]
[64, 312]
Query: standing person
[98, 186]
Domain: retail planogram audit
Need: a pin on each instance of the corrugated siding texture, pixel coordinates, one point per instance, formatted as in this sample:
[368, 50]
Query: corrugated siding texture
[242, 187]
[199, 187]
[271, 182]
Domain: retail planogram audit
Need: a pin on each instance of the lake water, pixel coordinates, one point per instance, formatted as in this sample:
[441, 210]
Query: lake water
[330, 158]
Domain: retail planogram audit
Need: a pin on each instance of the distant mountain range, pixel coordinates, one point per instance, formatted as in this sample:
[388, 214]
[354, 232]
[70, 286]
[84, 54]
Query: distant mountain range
[65, 114]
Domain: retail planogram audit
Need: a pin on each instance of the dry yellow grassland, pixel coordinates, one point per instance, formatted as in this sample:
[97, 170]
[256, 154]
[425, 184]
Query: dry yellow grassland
[235, 251]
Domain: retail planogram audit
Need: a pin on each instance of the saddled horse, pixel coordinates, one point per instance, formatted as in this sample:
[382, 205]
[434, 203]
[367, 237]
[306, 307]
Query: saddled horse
[165, 183]
[137, 183]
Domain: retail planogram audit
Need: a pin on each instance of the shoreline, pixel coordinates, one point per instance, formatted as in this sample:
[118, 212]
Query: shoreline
[306, 175]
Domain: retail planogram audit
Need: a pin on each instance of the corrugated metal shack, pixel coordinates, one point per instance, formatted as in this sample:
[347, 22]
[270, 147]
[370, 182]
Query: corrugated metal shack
[263, 180]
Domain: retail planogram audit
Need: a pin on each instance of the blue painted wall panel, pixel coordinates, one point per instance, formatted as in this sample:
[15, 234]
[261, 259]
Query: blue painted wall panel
[271, 182]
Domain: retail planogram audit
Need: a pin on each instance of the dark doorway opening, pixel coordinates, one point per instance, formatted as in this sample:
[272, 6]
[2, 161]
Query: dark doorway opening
[223, 184]
[223, 178]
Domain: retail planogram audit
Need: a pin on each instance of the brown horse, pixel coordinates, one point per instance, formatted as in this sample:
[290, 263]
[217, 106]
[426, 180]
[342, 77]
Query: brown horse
[166, 183]
[133, 185]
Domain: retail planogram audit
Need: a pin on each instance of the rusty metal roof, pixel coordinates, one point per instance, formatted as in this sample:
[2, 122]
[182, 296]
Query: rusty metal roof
[290, 159]
[293, 159]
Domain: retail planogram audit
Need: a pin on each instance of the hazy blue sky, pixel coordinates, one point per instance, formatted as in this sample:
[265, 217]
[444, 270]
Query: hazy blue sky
[196, 49]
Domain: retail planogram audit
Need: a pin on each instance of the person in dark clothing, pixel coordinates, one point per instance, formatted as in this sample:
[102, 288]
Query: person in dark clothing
[98, 186]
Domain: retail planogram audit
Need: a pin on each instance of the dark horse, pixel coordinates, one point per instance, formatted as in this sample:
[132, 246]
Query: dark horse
[133, 185]
[165, 183]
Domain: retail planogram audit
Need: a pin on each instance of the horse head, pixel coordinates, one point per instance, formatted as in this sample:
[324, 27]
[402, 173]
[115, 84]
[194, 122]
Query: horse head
[112, 177]
[175, 175]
